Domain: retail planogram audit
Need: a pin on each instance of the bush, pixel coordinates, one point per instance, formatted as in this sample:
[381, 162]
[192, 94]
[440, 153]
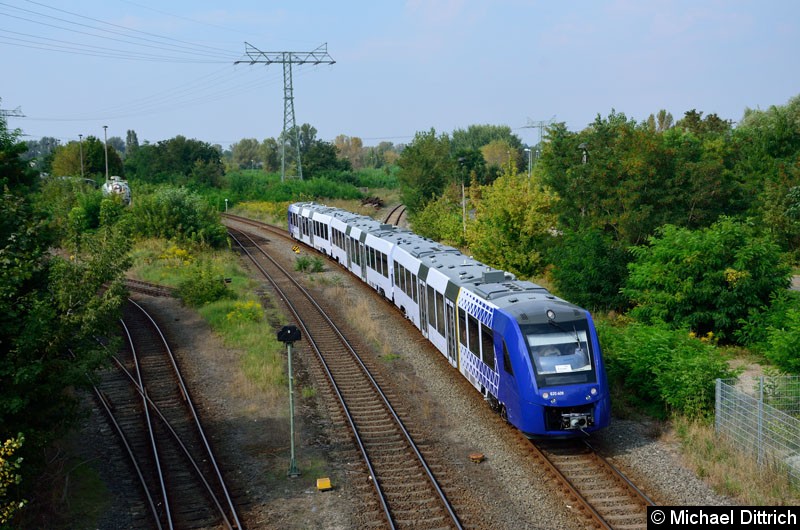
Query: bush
[784, 343]
[309, 264]
[705, 280]
[204, 284]
[441, 220]
[590, 269]
[662, 370]
[178, 214]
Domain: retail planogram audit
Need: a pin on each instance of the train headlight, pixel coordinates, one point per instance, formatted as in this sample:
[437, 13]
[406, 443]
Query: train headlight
[593, 391]
[545, 395]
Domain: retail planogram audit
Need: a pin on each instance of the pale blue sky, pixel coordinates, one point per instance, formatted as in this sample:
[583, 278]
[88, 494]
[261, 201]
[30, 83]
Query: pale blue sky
[166, 68]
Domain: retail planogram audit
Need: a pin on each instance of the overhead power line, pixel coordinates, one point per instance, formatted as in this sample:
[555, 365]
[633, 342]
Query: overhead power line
[287, 59]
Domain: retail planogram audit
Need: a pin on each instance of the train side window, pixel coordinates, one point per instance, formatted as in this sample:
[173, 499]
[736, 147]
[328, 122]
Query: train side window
[414, 287]
[440, 313]
[474, 346]
[507, 360]
[396, 274]
[384, 265]
[487, 346]
[431, 307]
[462, 326]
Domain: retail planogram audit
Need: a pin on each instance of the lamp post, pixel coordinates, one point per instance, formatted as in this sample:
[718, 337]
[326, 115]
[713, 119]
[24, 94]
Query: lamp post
[80, 146]
[527, 150]
[105, 146]
[289, 335]
[226, 205]
[461, 161]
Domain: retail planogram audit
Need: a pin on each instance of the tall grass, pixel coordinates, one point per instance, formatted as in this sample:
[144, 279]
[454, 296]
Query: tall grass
[729, 471]
[239, 318]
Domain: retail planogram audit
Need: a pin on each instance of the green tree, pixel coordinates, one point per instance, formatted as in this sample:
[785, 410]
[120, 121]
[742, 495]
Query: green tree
[514, 222]
[131, 142]
[477, 136]
[270, 154]
[50, 306]
[322, 157]
[441, 219]
[768, 164]
[634, 179]
[590, 268]
[246, 153]
[15, 174]
[425, 168]
[67, 160]
[177, 161]
[40, 153]
[705, 280]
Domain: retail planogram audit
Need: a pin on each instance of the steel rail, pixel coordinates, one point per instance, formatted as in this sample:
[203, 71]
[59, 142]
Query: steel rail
[376, 386]
[149, 422]
[209, 455]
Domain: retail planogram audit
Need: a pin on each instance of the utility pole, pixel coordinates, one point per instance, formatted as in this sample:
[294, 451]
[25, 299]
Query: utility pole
[287, 59]
[80, 145]
[105, 147]
[539, 125]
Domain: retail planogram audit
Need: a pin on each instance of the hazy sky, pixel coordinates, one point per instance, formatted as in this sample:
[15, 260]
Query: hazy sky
[164, 68]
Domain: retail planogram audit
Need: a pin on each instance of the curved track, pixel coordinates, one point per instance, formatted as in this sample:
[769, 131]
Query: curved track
[407, 490]
[593, 486]
[150, 409]
[396, 214]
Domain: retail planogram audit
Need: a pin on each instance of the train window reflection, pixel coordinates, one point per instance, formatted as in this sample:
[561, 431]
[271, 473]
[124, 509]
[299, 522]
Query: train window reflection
[560, 353]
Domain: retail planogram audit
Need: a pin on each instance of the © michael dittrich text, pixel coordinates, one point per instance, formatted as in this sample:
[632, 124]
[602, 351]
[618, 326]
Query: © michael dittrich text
[746, 516]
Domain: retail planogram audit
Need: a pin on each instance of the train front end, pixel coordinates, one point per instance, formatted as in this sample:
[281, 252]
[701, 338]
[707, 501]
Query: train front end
[565, 390]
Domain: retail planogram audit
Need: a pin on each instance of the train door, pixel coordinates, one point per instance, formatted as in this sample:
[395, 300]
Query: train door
[423, 308]
[362, 249]
[450, 324]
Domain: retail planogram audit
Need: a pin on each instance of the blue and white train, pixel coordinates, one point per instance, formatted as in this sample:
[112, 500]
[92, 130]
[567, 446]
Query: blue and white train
[533, 356]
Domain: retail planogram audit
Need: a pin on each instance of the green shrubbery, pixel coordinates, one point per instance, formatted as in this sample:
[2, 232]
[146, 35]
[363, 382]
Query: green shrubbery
[705, 280]
[177, 214]
[662, 370]
[204, 284]
[589, 269]
[309, 264]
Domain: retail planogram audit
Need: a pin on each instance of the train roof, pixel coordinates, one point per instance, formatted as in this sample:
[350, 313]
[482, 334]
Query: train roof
[502, 288]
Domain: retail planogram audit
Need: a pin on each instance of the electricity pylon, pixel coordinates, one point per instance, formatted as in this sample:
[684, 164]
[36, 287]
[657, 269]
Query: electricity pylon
[318, 56]
[16, 113]
[539, 125]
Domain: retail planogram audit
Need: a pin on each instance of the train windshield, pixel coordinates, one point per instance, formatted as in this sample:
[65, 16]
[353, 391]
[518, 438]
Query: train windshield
[559, 357]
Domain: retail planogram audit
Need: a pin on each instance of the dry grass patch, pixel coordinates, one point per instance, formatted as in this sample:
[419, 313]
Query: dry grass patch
[729, 471]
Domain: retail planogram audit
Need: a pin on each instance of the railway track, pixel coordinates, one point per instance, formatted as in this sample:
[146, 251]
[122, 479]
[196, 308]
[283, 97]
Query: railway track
[147, 288]
[602, 493]
[396, 214]
[407, 491]
[149, 407]
[592, 486]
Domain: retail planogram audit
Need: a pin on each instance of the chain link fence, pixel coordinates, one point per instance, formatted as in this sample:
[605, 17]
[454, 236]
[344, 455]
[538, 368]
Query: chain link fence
[763, 420]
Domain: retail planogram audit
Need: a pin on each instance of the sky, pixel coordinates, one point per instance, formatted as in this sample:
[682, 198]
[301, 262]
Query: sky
[164, 69]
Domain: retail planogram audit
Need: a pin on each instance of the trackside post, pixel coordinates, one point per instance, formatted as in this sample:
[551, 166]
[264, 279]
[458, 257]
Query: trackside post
[289, 335]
